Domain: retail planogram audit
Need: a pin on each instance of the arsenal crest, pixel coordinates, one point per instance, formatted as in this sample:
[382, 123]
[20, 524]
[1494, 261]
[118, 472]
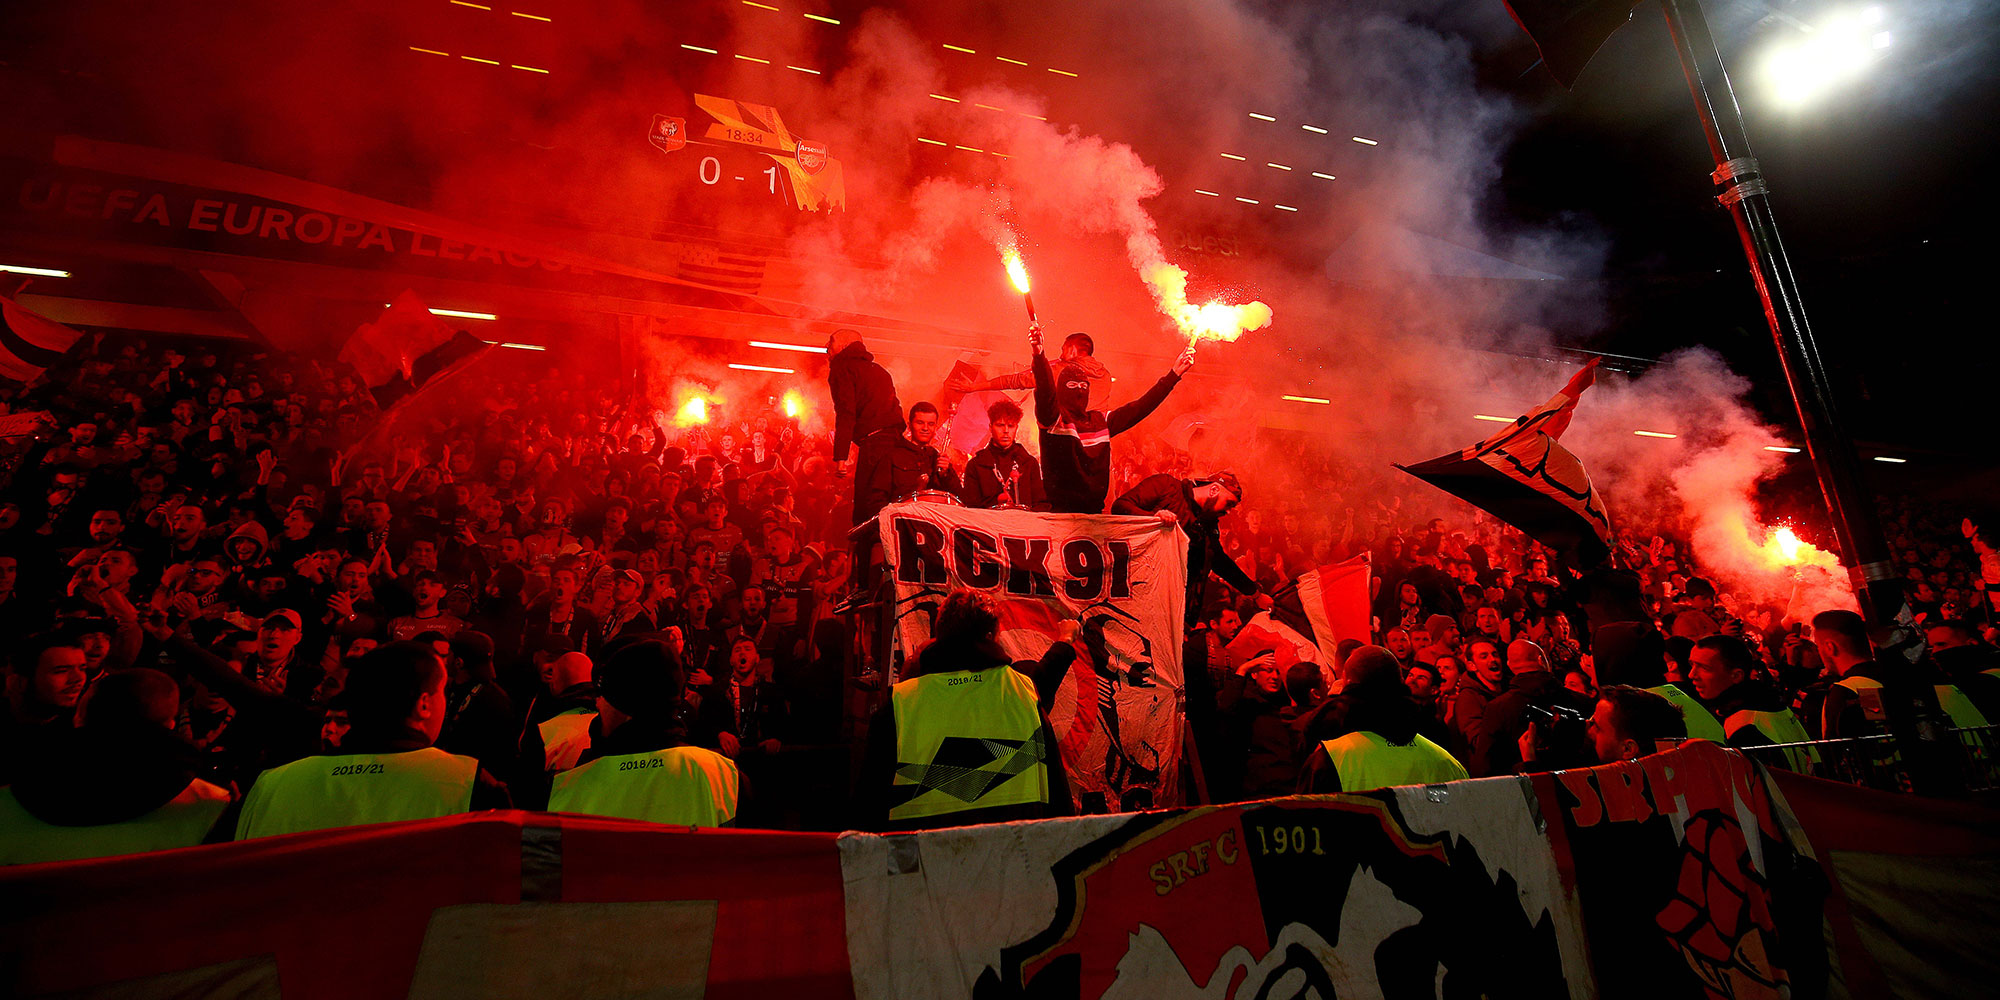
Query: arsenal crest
[812, 156]
[669, 133]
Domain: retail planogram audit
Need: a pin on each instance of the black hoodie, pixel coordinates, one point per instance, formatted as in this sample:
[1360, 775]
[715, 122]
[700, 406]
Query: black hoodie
[864, 398]
[1076, 441]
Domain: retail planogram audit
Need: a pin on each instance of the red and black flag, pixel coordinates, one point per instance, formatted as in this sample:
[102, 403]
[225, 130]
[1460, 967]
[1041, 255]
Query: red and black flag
[406, 350]
[1569, 32]
[29, 344]
[1522, 476]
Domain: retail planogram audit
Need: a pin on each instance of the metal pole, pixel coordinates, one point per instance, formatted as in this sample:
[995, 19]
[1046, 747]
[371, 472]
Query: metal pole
[1857, 531]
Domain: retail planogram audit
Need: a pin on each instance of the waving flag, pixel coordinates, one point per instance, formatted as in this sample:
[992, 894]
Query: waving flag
[1309, 617]
[29, 344]
[1524, 477]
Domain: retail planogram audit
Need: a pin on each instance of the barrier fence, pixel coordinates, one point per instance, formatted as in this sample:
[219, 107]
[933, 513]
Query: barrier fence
[1691, 873]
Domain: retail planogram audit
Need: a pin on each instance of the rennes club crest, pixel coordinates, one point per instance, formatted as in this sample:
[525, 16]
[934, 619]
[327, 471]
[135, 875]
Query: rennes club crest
[669, 133]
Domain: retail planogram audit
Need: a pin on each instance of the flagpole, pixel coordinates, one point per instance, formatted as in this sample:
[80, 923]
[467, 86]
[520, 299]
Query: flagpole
[1857, 531]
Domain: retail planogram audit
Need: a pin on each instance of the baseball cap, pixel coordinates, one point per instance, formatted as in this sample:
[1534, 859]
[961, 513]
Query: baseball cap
[283, 618]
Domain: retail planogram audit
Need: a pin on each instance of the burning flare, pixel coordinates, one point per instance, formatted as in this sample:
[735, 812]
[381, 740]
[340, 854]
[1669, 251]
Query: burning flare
[694, 411]
[793, 403]
[1212, 320]
[1017, 272]
[1010, 255]
[1788, 543]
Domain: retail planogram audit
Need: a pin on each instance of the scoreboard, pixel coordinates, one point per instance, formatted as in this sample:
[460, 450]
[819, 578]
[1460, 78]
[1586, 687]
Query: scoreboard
[747, 154]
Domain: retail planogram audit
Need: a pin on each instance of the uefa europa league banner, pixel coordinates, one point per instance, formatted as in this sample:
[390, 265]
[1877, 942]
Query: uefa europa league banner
[1121, 580]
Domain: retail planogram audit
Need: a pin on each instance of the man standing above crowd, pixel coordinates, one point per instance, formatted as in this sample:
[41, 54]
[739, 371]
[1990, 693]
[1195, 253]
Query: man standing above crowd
[1076, 440]
[866, 417]
[1197, 505]
[1004, 474]
[913, 462]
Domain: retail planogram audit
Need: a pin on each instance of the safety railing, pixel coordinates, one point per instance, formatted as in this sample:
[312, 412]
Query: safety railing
[1965, 758]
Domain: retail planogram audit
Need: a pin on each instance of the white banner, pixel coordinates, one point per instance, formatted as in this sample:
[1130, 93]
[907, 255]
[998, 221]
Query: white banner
[1117, 715]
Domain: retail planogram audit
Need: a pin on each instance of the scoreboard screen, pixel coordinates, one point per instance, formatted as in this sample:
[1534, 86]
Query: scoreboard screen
[746, 154]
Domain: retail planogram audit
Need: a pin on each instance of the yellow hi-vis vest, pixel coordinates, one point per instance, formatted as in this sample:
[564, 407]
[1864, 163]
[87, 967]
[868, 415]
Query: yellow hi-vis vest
[320, 793]
[182, 822]
[1701, 723]
[1366, 760]
[967, 739]
[1960, 709]
[679, 786]
[565, 737]
[1781, 726]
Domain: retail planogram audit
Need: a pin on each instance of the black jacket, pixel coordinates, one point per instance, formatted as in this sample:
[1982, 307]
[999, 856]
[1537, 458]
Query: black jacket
[1076, 446]
[988, 475]
[864, 398]
[911, 467]
[1205, 553]
[1496, 744]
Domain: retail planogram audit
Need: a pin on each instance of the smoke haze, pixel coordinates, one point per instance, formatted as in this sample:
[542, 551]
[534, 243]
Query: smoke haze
[1390, 288]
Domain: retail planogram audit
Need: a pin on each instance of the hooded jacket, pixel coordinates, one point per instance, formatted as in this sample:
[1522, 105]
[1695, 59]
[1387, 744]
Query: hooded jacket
[255, 532]
[1076, 440]
[864, 398]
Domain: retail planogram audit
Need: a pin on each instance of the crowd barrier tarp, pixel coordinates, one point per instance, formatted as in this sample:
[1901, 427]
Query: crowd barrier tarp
[1688, 883]
[1687, 874]
[500, 904]
[1914, 901]
[1117, 714]
[1381, 894]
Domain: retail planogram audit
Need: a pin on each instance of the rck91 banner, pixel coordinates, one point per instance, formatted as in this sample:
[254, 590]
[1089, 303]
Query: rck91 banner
[1121, 580]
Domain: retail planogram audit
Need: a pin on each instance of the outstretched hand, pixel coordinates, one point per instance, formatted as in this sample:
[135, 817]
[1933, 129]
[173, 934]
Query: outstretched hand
[1185, 361]
[1035, 337]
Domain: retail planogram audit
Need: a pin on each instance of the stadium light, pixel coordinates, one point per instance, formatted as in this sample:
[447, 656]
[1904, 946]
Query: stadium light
[1840, 49]
[456, 313]
[40, 272]
[1655, 434]
[764, 368]
[1892, 461]
[1308, 399]
[774, 345]
[1781, 448]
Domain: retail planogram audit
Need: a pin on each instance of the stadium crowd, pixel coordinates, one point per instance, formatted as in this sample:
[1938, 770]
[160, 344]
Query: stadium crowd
[214, 566]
